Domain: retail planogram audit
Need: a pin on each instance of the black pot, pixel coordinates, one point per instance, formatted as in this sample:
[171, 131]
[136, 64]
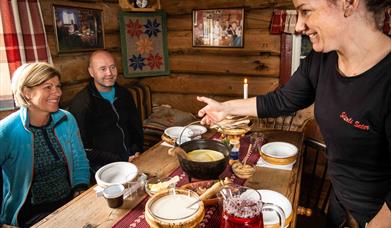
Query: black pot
[204, 170]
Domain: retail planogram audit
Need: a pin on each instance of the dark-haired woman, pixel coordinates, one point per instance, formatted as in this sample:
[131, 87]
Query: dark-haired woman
[348, 76]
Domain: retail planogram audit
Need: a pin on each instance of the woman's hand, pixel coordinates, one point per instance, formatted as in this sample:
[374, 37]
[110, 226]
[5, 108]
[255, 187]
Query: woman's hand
[213, 112]
[131, 158]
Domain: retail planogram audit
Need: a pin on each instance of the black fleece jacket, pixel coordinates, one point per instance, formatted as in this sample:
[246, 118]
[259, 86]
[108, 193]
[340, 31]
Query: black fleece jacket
[110, 131]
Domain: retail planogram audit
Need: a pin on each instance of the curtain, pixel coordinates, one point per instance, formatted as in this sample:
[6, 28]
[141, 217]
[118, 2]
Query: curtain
[22, 40]
[283, 21]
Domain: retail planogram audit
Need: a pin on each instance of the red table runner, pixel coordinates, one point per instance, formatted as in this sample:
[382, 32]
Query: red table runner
[136, 217]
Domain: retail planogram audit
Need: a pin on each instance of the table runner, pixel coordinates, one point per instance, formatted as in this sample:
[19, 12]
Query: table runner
[136, 217]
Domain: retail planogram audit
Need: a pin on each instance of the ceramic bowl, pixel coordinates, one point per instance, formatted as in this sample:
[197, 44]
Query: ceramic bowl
[115, 173]
[204, 170]
[279, 153]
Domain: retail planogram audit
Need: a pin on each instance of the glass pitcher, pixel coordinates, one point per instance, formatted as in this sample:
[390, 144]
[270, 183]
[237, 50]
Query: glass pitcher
[243, 206]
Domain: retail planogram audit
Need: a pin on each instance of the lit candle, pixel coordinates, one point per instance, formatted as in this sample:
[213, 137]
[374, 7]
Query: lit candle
[245, 89]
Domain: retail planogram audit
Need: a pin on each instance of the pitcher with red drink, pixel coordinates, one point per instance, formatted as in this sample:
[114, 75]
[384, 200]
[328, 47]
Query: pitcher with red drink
[243, 206]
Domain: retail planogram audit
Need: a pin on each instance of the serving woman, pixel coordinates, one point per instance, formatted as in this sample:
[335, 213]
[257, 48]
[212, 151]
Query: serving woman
[348, 77]
[41, 154]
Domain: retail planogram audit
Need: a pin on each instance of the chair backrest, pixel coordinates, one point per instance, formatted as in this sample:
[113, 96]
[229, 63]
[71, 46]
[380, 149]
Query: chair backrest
[315, 185]
[278, 123]
[293, 122]
[142, 98]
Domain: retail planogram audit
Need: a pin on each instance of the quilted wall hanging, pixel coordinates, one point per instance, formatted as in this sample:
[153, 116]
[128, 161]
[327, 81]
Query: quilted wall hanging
[144, 44]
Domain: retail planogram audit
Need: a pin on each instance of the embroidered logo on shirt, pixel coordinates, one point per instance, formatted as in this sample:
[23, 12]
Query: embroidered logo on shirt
[344, 116]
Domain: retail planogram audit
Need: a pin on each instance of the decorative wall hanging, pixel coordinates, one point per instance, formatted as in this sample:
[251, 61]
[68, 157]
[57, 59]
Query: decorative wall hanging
[218, 28]
[144, 44]
[78, 29]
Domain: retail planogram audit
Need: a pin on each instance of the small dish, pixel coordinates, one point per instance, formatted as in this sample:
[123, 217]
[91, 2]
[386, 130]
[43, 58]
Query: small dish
[243, 171]
[279, 153]
[156, 184]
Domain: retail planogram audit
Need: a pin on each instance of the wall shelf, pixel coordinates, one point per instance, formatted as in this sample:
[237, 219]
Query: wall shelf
[128, 5]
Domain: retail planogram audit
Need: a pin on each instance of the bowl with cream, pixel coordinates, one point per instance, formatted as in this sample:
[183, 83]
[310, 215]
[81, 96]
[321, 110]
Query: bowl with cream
[159, 210]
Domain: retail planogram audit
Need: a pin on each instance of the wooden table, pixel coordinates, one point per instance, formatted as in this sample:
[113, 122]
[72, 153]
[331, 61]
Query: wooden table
[87, 210]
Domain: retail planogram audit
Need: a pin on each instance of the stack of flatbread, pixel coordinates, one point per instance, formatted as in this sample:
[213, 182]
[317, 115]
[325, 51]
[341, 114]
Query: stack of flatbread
[233, 124]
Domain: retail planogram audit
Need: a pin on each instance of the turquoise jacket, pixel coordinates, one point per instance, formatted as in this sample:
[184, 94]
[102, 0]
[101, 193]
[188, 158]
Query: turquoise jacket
[17, 158]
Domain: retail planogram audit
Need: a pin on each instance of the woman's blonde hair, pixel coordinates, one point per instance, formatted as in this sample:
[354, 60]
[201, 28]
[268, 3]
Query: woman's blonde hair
[30, 75]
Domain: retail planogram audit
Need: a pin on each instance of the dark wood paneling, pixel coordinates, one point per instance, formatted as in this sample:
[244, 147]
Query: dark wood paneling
[194, 70]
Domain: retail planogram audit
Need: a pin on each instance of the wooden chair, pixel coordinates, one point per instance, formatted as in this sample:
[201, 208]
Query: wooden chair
[315, 185]
[293, 122]
[279, 123]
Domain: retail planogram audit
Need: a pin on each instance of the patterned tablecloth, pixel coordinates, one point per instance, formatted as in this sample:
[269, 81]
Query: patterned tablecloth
[136, 217]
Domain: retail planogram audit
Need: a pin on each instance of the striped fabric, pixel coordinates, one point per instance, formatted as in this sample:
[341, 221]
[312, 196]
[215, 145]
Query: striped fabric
[22, 40]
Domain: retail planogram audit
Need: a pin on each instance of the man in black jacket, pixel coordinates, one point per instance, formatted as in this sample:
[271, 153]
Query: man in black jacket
[108, 120]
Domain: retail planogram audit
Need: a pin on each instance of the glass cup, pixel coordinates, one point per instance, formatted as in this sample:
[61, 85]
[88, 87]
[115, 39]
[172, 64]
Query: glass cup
[114, 195]
[243, 206]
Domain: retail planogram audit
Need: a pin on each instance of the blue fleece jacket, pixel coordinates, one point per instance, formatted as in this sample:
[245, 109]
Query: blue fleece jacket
[17, 161]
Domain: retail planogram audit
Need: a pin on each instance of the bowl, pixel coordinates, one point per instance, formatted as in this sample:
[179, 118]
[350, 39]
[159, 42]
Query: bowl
[204, 170]
[279, 153]
[116, 173]
[153, 185]
[243, 171]
[197, 130]
[175, 132]
[160, 212]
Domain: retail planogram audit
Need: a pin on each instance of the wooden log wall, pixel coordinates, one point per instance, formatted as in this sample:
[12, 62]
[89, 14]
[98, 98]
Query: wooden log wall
[214, 72]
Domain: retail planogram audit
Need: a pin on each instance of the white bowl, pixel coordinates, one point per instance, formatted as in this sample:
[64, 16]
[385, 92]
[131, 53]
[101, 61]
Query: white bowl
[279, 149]
[175, 132]
[115, 173]
[197, 130]
[279, 153]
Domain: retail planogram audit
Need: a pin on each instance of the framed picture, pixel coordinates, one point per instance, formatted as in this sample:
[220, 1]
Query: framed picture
[144, 44]
[78, 29]
[218, 28]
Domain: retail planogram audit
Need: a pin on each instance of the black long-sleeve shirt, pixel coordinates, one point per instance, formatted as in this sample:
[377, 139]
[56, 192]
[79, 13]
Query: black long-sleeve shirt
[354, 116]
[110, 131]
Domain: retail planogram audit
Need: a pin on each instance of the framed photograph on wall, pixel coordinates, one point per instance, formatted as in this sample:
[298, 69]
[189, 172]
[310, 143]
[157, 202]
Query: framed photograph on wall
[78, 29]
[144, 44]
[218, 28]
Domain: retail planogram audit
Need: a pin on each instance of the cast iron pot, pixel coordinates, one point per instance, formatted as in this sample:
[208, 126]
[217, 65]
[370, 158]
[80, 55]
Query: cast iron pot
[204, 170]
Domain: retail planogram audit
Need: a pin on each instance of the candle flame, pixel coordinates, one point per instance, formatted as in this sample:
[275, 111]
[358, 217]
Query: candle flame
[245, 81]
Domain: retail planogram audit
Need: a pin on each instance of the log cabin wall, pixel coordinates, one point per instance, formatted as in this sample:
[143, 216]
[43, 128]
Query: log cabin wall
[214, 72]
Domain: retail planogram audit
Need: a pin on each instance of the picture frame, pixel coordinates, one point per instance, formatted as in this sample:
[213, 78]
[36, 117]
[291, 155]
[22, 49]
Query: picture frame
[144, 44]
[78, 29]
[218, 28]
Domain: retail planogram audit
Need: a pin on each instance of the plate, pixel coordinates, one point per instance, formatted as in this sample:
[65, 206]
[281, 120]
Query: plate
[271, 218]
[116, 173]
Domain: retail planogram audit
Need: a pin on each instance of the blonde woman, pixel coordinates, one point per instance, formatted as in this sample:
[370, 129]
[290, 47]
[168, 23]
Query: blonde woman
[41, 154]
